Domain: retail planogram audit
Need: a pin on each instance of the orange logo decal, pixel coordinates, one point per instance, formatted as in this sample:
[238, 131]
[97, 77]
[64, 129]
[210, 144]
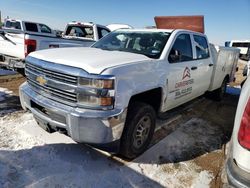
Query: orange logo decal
[186, 73]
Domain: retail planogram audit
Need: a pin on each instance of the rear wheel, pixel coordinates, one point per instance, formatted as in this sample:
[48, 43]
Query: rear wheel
[218, 94]
[138, 130]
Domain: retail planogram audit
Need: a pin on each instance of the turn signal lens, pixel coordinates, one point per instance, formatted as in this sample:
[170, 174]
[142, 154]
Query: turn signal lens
[95, 101]
[107, 101]
[244, 131]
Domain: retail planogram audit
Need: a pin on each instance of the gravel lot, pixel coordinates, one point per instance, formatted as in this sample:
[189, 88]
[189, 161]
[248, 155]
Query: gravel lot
[188, 149]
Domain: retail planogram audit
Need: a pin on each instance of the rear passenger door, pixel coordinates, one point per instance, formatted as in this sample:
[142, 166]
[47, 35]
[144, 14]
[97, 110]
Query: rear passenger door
[183, 73]
[203, 60]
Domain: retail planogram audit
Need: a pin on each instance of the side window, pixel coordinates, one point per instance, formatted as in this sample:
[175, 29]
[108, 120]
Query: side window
[201, 47]
[102, 32]
[13, 25]
[80, 31]
[31, 27]
[181, 50]
[44, 28]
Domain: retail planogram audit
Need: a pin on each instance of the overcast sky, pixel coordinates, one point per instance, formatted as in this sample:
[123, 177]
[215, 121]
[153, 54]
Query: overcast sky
[224, 19]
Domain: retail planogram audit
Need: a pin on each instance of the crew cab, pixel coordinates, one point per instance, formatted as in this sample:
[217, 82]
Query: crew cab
[19, 38]
[108, 95]
[238, 162]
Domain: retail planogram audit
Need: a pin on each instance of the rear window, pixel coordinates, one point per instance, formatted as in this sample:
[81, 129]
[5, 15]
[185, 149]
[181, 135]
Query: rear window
[241, 44]
[80, 31]
[31, 27]
[13, 25]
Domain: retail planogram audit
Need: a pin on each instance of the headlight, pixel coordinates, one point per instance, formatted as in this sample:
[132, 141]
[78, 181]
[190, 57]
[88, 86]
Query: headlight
[97, 83]
[96, 93]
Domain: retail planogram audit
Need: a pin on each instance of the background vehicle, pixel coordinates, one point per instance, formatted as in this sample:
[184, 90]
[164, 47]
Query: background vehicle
[85, 30]
[243, 45]
[114, 27]
[238, 163]
[246, 72]
[19, 38]
[112, 98]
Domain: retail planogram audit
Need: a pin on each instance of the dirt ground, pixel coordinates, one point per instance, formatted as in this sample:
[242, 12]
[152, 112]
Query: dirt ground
[208, 151]
[12, 82]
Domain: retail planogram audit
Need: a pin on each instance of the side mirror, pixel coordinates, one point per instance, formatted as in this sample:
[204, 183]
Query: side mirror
[174, 56]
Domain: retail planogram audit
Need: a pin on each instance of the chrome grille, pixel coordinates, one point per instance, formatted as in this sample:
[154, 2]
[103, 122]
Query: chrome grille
[52, 74]
[58, 86]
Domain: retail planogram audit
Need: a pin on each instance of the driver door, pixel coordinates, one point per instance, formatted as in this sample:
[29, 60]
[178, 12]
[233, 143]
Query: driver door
[183, 73]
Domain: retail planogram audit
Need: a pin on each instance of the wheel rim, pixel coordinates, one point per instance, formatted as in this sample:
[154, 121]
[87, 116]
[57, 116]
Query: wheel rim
[141, 131]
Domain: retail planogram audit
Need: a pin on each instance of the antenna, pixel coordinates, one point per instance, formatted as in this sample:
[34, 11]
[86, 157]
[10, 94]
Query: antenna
[0, 19]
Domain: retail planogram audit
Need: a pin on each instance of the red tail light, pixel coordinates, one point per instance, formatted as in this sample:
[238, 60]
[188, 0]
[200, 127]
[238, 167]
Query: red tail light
[244, 131]
[29, 46]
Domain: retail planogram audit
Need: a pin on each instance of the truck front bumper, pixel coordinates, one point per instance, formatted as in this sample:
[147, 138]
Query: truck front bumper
[82, 125]
[236, 176]
[11, 62]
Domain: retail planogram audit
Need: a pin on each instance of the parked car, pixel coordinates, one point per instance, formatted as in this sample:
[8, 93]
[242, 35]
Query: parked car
[108, 94]
[238, 163]
[243, 45]
[19, 38]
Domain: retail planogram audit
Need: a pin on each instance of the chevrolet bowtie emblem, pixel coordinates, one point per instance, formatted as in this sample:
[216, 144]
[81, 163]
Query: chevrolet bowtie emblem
[41, 80]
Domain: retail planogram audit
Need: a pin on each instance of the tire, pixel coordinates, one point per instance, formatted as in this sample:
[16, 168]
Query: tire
[218, 94]
[242, 83]
[138, 131]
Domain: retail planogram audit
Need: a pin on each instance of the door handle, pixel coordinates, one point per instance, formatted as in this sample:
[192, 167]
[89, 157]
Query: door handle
[211, 64]
[193, 68]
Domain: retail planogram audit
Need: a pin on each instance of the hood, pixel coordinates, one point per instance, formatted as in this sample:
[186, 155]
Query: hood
[92, 60]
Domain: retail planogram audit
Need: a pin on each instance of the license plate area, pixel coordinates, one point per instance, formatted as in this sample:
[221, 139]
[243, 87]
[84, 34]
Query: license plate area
[48, 113]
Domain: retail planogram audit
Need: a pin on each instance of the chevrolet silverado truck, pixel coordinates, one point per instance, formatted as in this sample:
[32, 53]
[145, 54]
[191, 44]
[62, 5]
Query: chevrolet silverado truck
[19, 38]
[108, 95]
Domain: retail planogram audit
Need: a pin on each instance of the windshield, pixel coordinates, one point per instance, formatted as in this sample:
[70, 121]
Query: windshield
[147, 43]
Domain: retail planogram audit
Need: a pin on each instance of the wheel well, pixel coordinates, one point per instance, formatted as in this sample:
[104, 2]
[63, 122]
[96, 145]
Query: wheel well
[227, 78]
[151, 97]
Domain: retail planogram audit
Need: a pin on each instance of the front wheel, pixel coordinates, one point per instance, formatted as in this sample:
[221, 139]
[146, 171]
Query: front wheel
[138, 131]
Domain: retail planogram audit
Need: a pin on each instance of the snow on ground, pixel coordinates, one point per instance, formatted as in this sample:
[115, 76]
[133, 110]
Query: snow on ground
[171, 163]
[32, 157]
[4, 93]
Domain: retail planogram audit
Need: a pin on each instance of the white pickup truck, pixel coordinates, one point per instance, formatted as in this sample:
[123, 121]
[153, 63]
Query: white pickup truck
[108, 94]
[19, 38]
[238, 162]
